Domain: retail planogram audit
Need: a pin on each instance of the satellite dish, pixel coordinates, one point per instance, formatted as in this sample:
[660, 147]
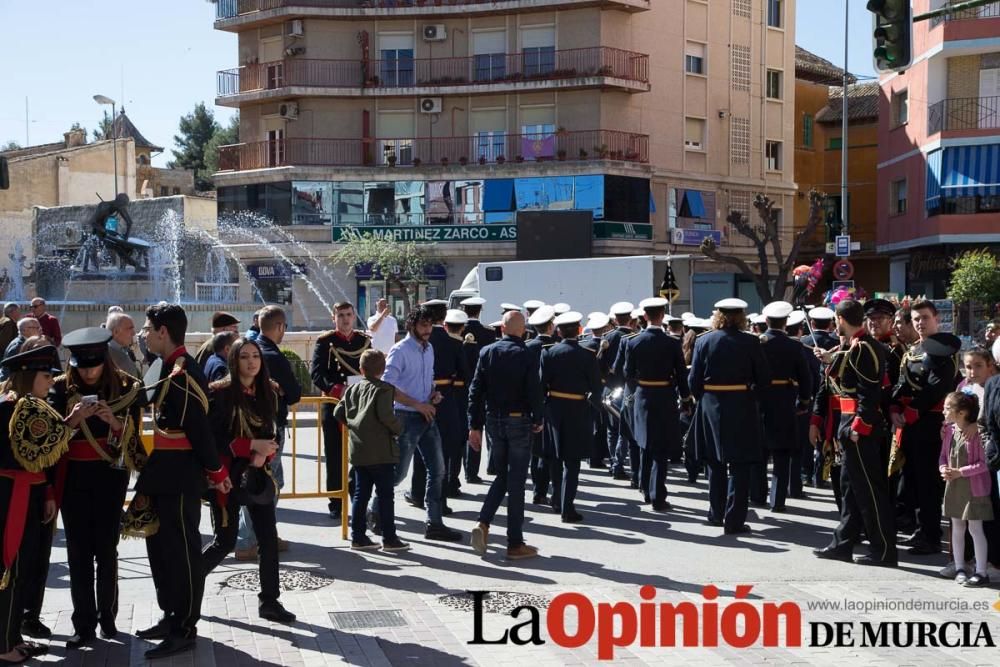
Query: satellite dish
[152, 378]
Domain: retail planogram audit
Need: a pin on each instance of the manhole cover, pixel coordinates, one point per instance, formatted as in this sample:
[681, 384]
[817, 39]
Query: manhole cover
[495, 602]
[364, 620]
[288, 580]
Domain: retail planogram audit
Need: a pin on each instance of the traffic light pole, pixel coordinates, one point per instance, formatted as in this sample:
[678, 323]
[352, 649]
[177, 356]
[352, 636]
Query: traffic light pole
[951, 9]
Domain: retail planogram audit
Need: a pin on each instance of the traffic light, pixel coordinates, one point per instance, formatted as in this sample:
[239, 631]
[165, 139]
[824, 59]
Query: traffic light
[893, 34]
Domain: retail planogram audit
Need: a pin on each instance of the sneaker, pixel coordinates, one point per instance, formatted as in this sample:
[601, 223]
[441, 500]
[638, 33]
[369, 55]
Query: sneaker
[480, 536]
[978, 580]
[948, 571]
[961, 577]
[521, 552]
[395, 544]
[364, 544]
[441, 533]
[247, 555]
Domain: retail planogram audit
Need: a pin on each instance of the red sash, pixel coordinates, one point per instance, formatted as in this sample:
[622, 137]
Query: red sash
[17, 514]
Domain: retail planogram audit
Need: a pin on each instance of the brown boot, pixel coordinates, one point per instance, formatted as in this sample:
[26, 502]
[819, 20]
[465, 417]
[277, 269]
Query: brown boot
[521, 552]
[249, 554]
[480, 536]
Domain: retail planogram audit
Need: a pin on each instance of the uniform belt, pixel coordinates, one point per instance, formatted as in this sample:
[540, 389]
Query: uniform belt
[444, 382]
[784, 383]
[168, 440]
[568, 397]
[654, 383]
[726, 387]
[515, 414]
[906, 400]
[82, 450]
[459, 383]
[848, 406]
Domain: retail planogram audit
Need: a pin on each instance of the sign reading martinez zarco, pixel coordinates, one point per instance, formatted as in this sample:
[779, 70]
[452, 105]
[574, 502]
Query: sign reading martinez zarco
[435, 233]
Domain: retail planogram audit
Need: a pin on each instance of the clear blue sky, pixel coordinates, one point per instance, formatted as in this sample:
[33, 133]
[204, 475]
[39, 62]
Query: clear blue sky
[59, 53]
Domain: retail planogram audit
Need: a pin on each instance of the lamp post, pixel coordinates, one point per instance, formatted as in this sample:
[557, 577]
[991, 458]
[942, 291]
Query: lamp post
[102, 99]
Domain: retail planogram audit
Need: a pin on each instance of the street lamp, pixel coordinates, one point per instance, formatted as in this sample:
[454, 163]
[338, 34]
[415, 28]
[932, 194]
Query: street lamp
[102, 99]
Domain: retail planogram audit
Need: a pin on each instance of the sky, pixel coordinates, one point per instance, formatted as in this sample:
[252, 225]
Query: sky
[159, 57]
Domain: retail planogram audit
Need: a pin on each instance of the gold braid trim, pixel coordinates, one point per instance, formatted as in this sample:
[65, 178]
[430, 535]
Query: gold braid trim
[121, 405]
[139, 520]
[38, 435]
[343, 355]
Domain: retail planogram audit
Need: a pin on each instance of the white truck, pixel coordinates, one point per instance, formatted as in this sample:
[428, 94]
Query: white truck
[587, 285]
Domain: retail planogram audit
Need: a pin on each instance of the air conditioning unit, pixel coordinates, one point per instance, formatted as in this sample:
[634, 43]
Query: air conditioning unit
[289, 110]
[436, 32]
[430, 105]
[296, 28]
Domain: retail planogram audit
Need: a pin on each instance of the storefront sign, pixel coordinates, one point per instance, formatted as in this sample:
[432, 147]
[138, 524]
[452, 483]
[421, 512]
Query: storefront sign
[631, 231]
[274, 271]
[435, 233]
[435, 271]
[694, 236]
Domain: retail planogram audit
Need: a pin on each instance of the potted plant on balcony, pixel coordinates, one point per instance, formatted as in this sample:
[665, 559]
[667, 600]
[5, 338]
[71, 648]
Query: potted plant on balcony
[561, 131]
[501, 159]
[417, 162]
[444, 161]
[601, 151]
[391, 160]
[584, 154]
[631, 155]
[463, 160]
[519, 158]
[561, 154]
[482, 159]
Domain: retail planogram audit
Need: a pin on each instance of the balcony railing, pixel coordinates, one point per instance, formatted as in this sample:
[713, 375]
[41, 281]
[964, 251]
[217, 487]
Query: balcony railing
[488, 148]
[990, 11]
[600, 61]
[964, 113]
[227, 9]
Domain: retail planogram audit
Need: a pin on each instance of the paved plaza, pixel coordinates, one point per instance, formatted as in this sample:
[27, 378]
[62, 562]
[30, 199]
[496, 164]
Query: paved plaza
[376, 609]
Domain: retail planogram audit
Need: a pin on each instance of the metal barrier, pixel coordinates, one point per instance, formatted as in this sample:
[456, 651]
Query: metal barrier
[343, 494]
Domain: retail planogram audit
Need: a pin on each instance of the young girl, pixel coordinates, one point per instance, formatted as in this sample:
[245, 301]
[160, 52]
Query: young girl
[967, 490]
[979, 367]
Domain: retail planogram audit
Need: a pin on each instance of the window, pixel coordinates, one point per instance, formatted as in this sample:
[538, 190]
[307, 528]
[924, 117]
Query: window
[897, 197]
[490, 145]
[773, 84]
[807, 130]
[490, 61]
[772, 155]
[396, 53]
[774, 18]
[164, 191]
[694, 58]
[899, 107]
[275, 148]
[538, 50]
[835, 143]
[538, 141]
[740, 64]
[694, 134]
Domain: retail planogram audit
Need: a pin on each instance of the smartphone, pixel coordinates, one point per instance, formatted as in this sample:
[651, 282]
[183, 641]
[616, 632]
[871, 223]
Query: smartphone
[89, 400]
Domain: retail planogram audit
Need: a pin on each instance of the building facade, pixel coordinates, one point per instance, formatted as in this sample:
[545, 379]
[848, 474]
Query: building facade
[444, 122]
[818, 149]
[939, 149]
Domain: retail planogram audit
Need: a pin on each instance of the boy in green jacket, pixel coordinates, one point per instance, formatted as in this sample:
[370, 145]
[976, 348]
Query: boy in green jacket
[366, 409]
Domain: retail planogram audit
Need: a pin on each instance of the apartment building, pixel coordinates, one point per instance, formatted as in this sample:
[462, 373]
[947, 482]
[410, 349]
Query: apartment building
[442, 121]
[939, 149]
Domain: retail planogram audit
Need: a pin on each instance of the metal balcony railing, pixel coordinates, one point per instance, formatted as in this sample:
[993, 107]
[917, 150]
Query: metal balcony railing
[492, 148]
[990, 11]
[964, 113]
[227, 9]
[599, 61]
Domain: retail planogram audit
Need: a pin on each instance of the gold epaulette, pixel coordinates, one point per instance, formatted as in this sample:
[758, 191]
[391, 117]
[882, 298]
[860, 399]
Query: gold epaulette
[469, 339]
[325, 335]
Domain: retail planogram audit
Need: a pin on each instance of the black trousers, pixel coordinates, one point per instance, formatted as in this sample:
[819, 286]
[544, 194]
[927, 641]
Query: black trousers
[728, 493]
[265, 526]
[635, 463]
[654, 474]
[13, 598]
[540, 474]
[758, 481]
[175, 560]
[865, 502]
[333, 450]
[613, 434]
[565, 476]
[92, 521]
[600, 449]
[923, 486]
[473, 460]
[34, 593]
[782, 470]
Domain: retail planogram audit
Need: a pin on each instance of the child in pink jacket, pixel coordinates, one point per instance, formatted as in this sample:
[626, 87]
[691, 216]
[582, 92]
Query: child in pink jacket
[967, 483]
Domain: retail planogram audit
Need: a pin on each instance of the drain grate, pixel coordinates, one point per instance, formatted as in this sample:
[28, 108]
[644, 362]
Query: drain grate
[495, 602]
[288, 580]
[365, 620]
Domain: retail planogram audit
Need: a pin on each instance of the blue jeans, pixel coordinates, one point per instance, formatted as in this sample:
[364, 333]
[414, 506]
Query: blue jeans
[420, 434]
[379, 477]
[510, 438]
[246, 537]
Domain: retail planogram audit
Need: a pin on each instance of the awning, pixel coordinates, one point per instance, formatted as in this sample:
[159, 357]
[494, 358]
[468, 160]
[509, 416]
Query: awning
[934, 179]
[499, 195]
[692, 205]
[967, 171]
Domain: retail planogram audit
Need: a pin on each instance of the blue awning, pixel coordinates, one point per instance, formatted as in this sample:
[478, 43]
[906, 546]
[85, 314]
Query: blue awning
[499, 195]
[695, 206]
[652, 203]
[934, 179]
[971, 170]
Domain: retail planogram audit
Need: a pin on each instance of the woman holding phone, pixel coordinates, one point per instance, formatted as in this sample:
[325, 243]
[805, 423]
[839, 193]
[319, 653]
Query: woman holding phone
[243, 409]
[34, 442]
[103, 406]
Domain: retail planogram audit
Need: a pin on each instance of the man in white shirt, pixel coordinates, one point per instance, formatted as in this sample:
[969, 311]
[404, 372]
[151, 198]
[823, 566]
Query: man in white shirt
[383, 327]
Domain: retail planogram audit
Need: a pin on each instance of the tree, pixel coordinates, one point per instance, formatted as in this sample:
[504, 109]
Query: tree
[976, 277]
[196, 130]
[400, 263]
[223, 137]
[10, 146]
[103, 131]
[766, 238]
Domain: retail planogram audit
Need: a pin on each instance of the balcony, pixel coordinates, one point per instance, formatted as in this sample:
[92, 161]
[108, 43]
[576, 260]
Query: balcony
[487, 148]
[990, 11]
[601, 66]
[965, 114]
[239, 14]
